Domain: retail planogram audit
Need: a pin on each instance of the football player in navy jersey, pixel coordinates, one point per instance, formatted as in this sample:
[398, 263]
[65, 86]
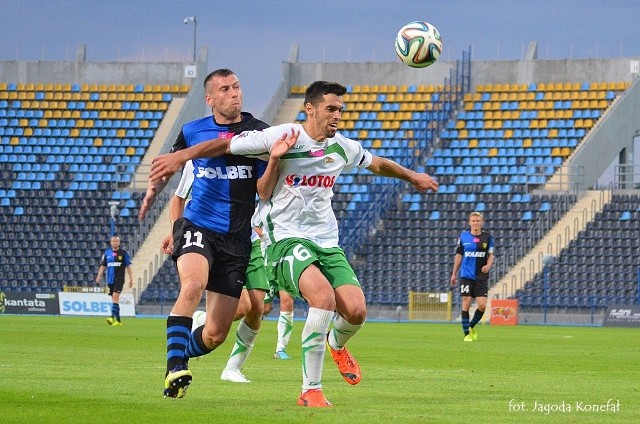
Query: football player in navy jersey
[115, 261]
[473, 260]
[212, 242]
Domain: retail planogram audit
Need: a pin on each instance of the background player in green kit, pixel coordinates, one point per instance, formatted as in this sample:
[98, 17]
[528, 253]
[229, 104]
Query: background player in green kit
[301, 228]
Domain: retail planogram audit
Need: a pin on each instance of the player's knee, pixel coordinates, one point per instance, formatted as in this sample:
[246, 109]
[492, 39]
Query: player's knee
[256, 310]
[213, 338]
[356, 314]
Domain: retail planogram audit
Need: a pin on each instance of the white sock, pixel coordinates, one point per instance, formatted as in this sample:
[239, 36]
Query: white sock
[342, 332]
[285, 325]
[313, 347]
[245, 336]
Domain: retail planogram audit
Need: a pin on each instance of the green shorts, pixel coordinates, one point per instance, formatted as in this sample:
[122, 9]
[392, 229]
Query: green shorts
[286, 259]
[256, 273]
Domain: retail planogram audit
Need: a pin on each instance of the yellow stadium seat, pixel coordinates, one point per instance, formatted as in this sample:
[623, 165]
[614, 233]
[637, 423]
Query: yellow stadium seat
[363, 134]
[473, 143]
[121, 133]
[526, 143]
[130, 151]
[463, 133]
[492, 152]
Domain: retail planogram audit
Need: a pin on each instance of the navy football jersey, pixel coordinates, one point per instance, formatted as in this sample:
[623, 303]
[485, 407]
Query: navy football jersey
[224, 188]
[116, 262]
[475, 252]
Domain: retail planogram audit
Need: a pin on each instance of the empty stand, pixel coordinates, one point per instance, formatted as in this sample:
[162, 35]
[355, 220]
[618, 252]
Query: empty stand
[66, 151]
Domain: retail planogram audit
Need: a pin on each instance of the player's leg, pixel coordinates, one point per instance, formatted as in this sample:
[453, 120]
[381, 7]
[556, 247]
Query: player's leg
[466, 296]
[111, 320]
[220, 312]
[193, 269]
[244, 305]
[285, 325]
[481, 290]
[317, 291]
[257, 285]
[292, 263]
[352, 312]
[246, 334]
[115, 305]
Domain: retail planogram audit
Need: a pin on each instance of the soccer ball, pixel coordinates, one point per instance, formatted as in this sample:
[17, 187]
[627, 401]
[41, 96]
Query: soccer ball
[199, 318]
[418, 44]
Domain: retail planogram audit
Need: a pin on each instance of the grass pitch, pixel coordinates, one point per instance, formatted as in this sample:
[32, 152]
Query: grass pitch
[78, 370]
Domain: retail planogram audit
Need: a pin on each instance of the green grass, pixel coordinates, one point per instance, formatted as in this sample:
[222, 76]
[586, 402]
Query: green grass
[79, 370]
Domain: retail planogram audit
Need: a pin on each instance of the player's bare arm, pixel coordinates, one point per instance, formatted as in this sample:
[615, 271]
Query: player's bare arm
[153, 189]
[456, 266]
[267, 183]
[176, 209]
[388, 168]
[164, 166]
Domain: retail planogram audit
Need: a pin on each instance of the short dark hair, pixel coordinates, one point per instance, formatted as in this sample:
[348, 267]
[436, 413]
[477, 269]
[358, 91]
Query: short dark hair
[318, 89]
[222, 72]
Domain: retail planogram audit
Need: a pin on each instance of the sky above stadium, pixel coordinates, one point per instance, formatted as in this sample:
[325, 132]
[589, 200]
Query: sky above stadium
[253, 37]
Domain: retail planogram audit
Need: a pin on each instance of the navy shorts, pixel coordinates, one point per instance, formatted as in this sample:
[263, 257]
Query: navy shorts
[228, 256]
[474, 288]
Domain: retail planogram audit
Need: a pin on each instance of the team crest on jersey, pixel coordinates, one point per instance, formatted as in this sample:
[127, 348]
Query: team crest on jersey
[484, 245]
[119, 258]
[328, 160]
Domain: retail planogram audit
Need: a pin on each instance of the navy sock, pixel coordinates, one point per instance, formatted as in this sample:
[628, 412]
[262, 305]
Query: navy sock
[178, 333]
[477, 316]
[196, 346]
[465, 322]
[115, 311]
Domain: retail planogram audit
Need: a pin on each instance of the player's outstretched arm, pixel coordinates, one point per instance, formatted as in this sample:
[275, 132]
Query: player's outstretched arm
[388, 168]
[164, 166]
[153, 189]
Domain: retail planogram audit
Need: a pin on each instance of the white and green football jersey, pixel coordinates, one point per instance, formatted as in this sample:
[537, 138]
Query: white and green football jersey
[301, 202]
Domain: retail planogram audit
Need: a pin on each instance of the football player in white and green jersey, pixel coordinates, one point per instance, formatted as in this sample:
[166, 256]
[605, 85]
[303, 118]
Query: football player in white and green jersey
[302, 231]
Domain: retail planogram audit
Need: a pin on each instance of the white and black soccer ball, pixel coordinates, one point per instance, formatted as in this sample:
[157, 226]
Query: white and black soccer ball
[418, 44]
[199, 318]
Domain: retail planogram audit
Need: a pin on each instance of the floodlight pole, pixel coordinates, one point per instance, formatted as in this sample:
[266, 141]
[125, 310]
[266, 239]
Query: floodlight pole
[195, 26]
